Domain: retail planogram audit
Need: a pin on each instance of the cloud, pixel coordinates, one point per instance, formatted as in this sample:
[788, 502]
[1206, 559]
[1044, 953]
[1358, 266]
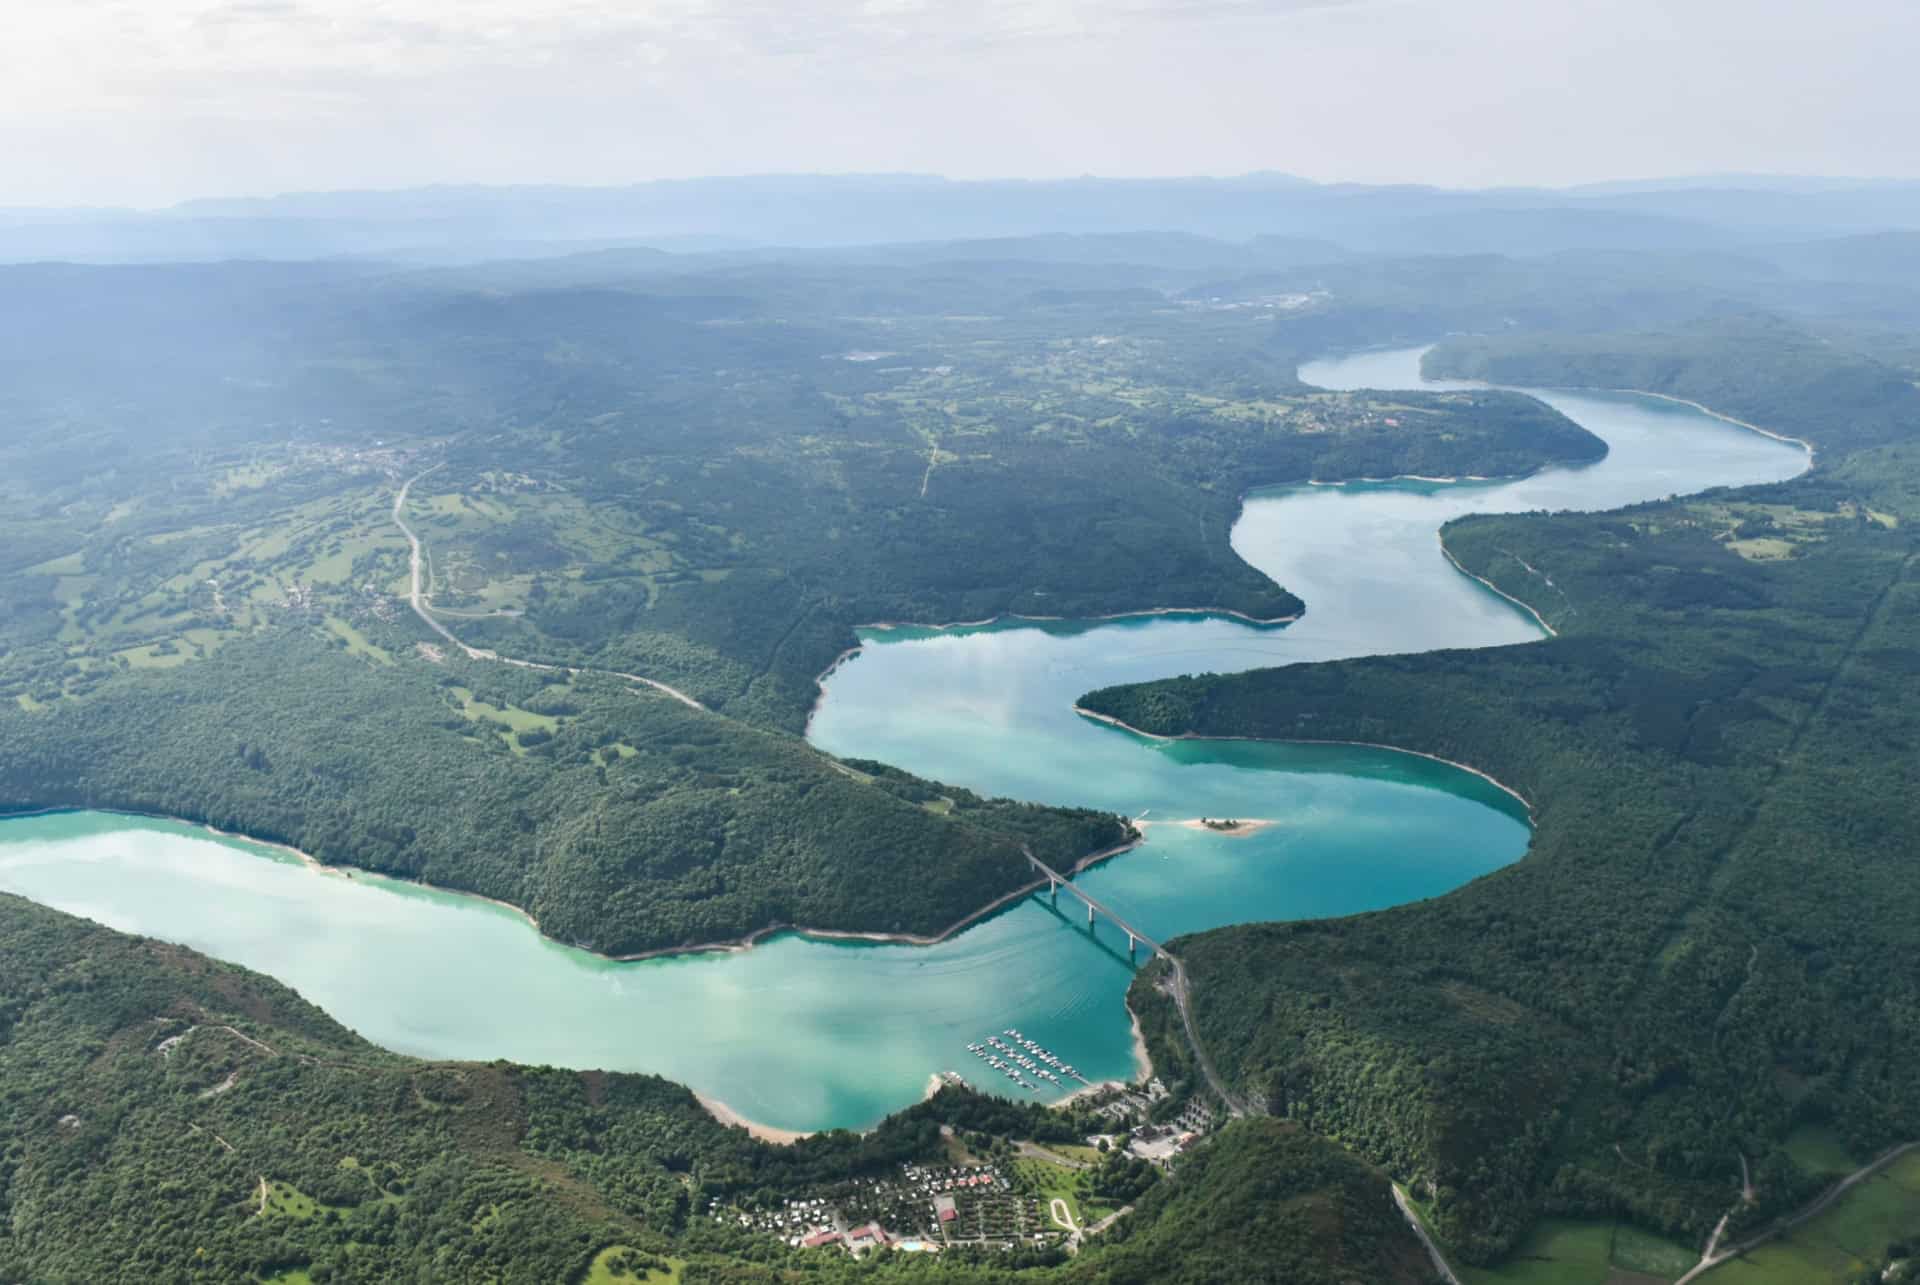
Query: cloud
[147, 42]
[246, 11]
[185, 97]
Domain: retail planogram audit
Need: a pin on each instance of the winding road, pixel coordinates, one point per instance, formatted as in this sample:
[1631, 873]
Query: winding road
[417, 598]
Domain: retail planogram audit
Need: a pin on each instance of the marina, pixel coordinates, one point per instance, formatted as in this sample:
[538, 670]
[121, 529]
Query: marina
[1015, 1056]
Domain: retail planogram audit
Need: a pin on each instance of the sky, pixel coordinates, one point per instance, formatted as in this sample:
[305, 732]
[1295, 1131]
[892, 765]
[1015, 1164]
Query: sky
[146, 102]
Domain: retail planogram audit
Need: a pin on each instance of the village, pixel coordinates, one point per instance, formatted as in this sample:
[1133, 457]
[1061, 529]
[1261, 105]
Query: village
[918, 1208]
[998, 1194]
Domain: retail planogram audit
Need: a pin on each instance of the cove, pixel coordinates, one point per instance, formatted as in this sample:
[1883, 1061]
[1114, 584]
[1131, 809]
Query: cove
[805, 1034]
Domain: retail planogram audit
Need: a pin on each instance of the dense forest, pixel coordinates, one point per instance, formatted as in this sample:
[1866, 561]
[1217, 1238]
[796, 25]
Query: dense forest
[1696, 966]
[167, 1117]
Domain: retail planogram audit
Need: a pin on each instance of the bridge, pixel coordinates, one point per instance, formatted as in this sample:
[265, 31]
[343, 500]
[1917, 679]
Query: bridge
[1176, 985]
[1057, 881]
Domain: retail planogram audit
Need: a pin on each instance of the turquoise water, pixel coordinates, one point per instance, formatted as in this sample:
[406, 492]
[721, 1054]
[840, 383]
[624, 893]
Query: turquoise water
[806, 1034]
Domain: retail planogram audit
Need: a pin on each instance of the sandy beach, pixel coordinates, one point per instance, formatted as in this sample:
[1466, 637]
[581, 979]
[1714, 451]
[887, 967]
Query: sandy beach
[1240, 828]
[1304, 740]
[765, 1132]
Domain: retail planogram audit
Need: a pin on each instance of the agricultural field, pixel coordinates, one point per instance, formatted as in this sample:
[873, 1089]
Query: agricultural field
[171, 578]
[1563, 1251]
[1764, 532]
[1850, 1238]
[1820, 1150]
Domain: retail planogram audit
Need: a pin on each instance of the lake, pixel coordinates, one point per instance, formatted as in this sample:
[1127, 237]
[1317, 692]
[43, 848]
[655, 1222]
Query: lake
[806, 1034]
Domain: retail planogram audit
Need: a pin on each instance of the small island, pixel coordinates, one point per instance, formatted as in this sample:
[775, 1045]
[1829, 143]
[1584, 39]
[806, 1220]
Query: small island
[1227, 825]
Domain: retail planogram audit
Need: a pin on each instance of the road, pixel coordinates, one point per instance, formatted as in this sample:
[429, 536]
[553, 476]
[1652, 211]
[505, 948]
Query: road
[414, 558]
[1420, 1230]
[417, 598]
[1710, 1259]
[1181, 991]
[1063, 1216]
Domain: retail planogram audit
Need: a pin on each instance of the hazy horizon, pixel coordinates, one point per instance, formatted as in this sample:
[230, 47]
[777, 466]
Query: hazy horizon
[146, 105]
[1782, 181]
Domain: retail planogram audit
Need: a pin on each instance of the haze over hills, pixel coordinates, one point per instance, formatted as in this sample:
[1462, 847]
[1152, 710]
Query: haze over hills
[807, 210]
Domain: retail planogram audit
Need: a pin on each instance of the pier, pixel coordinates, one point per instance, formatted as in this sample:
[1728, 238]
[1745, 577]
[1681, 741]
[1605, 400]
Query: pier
[1095, 907]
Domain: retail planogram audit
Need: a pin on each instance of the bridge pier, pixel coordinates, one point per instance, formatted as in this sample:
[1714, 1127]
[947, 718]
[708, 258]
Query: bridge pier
[1135, 940]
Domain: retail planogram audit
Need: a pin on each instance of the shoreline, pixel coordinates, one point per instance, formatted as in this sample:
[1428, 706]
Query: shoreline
[1142, 1068]
[714, 1106]
[821, 679]
[1142, 1060]
[1413, 477]
[1240, 829]
[764, 1132]
[1538, 619]
[724, 946]
[1111, 615]
[1142, 1072]
[1490, 779]
[1811, 450]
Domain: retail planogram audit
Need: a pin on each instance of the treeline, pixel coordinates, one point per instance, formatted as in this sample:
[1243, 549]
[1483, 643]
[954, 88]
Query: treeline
[1692, 962]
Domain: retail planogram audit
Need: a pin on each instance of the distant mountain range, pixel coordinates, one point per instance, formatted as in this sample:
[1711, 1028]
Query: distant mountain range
[474, 224]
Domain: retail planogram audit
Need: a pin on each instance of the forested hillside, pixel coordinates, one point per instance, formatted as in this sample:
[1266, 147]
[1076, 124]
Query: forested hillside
[706, 478]
[1694, 968]
[619, 818]
[169, 1117]
[1752, 366]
